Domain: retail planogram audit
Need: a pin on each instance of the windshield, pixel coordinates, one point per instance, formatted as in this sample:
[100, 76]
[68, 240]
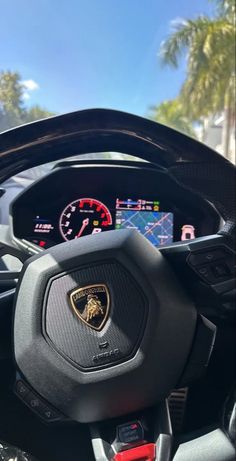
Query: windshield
[169, 61]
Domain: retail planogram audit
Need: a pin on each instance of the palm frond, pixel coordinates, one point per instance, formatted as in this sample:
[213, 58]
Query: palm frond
[171, 113]
[181, 38]
[210, 46]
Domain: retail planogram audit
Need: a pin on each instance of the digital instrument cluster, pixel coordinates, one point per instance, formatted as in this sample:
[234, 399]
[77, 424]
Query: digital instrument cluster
[52, 211]
[88, 215]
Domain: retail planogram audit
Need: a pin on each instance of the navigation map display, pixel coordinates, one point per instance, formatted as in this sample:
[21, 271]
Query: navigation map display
[146, 217]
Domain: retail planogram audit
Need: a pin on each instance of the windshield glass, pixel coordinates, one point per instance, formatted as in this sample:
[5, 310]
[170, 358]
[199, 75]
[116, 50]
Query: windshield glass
[173, 62]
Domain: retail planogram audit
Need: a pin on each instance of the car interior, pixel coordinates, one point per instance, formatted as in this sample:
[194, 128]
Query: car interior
[117, 293]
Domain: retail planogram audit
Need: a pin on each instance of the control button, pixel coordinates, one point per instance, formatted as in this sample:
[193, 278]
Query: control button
[33, 401]
[205, 273]
[212, 273]
[210, 256]
[43, 410]
[21, 389]
[143, 453]
[130, 433]
[48, 414]
[220, 270]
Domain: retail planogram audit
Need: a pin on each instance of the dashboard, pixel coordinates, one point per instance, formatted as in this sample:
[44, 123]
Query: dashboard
[80, 199]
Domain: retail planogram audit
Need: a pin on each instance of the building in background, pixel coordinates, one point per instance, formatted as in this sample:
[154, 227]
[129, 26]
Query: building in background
[212, 133]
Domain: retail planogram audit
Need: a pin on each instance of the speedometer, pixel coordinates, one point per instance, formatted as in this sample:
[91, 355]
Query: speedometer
[84, 216]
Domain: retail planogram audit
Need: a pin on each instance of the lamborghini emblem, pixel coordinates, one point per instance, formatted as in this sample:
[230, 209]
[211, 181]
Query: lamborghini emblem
[91, 304]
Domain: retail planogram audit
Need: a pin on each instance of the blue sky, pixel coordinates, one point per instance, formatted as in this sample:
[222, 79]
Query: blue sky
[93, 53]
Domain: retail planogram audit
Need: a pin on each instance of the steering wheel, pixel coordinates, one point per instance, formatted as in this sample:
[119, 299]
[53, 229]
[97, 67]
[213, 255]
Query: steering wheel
[106, 325]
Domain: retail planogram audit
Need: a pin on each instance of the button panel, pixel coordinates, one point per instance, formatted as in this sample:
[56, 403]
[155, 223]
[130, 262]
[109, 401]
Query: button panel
[36, 403]
[206, 257]
[213, 266]
[130, 433]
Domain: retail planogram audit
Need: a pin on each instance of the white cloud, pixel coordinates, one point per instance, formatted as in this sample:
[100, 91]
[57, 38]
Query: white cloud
[25, 96]
[30, 85]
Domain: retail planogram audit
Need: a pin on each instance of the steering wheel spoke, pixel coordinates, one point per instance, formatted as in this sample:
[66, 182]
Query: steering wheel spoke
[10, 275]
[8, 282]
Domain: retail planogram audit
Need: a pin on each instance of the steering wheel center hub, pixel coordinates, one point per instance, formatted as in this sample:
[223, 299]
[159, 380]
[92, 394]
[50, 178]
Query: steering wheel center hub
[95, 325]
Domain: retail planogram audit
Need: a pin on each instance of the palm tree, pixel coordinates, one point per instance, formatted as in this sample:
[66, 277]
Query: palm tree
[171, 113]
[210, 82]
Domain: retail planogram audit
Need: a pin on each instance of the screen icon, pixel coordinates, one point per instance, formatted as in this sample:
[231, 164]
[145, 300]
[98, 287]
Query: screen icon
[188, 232]
[96, 230]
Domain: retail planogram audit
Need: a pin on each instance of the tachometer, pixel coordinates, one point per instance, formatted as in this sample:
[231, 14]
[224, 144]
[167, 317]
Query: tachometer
[84, 216]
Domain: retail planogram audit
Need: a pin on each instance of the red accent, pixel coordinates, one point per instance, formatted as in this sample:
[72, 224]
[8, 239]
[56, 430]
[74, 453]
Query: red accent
[99, 206]
[143, 453]
[42, 243]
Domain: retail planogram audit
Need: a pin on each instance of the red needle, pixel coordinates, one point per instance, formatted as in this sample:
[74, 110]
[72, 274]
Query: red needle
[85, 223]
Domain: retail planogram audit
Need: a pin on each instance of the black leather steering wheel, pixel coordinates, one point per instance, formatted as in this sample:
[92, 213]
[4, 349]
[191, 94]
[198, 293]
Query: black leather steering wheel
[143, 335]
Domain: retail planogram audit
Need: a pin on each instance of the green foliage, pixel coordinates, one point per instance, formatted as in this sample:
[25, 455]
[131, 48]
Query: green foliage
[12, 109]
[11, 102]
[210, 45]
[226, 8]
[36, 113]
[172, 114]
